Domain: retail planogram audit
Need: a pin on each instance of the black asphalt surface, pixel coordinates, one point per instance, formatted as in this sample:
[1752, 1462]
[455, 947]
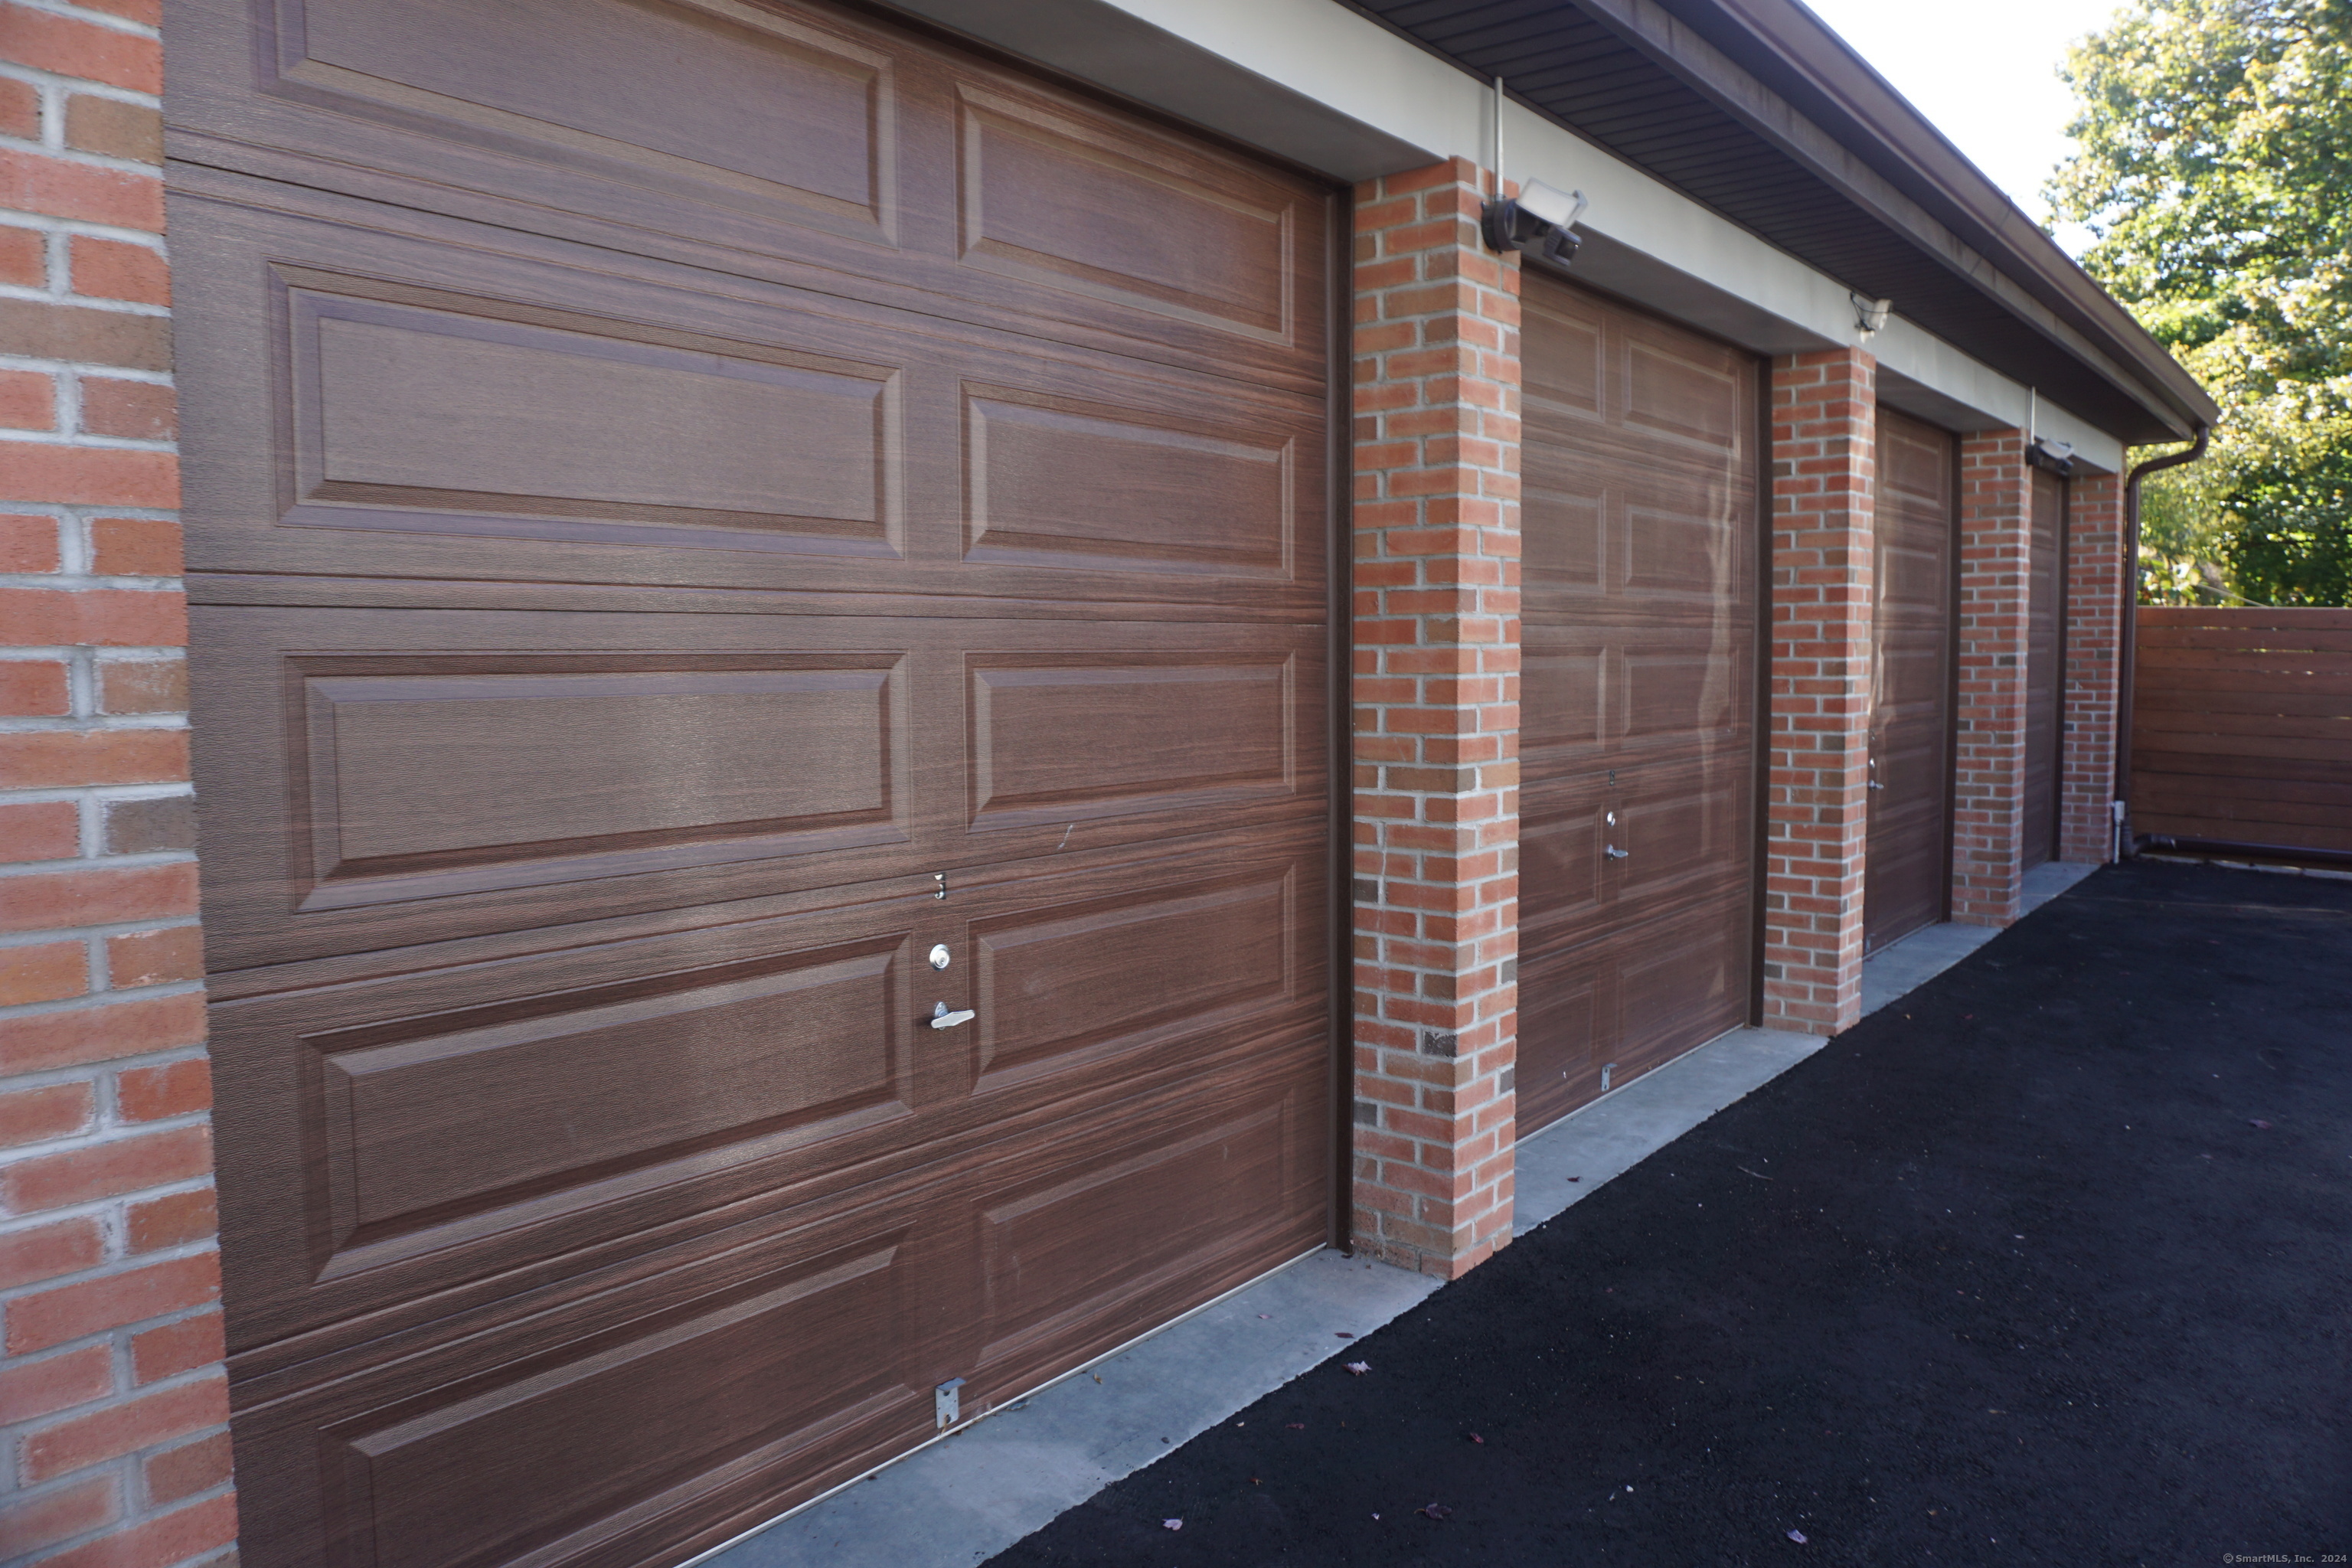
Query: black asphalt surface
[2050, 1262]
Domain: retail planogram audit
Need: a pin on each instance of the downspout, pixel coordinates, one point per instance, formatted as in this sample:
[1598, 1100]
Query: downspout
[2128, 643]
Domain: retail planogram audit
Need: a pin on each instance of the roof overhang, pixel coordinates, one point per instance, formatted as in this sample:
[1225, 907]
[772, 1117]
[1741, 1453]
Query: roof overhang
[1747, 172]
[1758, 110]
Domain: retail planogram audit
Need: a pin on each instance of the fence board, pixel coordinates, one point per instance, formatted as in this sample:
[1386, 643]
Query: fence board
[2241, 726]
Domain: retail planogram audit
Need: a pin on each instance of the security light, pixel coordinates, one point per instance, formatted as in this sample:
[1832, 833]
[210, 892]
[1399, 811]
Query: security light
[1539, 216]
[1870, 315]
[2058, 456]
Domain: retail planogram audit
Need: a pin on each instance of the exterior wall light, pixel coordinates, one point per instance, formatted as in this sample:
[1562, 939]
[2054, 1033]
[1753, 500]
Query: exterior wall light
[1870, 315]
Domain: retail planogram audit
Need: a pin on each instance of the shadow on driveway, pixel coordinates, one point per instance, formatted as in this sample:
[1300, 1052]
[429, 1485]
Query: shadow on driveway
[2050, 1262]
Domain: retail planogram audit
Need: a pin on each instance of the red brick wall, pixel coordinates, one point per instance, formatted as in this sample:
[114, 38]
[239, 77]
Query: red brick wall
[1988, 774]
[1437, 722]
[112, 1395]
[2094, 586]
[1825, 479]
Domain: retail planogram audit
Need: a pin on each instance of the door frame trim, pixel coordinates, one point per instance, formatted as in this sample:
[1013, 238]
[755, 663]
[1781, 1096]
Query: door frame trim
[1339, 596]
[1760, 802]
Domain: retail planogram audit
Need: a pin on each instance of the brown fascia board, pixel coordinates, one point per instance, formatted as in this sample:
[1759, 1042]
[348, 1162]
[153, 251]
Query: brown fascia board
[2033, 280]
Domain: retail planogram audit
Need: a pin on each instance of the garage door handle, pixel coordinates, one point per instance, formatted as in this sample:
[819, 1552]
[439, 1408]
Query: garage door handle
[1616, 854]
[943, 1019]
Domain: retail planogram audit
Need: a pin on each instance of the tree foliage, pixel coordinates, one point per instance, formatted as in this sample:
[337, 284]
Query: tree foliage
[2214, 169]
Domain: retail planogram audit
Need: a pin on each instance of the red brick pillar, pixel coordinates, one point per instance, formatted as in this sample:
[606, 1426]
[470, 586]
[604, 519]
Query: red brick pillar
[1989, 773]
[112, 1395]
[2094, 587]
[1437, 722]
[1824, 481]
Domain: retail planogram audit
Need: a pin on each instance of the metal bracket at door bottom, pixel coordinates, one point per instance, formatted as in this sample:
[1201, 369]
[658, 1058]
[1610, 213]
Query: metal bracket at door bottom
[943, 1019]
[946, 1403]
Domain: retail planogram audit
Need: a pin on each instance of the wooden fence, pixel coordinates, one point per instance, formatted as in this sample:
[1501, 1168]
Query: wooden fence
[2242, 727]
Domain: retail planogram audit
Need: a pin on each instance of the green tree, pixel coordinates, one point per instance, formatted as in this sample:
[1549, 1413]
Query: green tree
[2214, 169]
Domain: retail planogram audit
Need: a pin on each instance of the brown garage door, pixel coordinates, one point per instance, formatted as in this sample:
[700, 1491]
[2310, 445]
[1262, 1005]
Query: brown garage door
[2046, 667]
[1638, 697]
[694, 509]
[1911, 681]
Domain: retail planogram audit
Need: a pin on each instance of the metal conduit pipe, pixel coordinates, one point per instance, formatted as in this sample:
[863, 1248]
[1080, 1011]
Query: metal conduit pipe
[2128, 640]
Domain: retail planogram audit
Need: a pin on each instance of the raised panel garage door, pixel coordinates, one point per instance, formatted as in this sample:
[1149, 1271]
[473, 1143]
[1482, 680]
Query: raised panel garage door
[701, 514]
[2045, 669]
[1637, 698]
[1916, 538]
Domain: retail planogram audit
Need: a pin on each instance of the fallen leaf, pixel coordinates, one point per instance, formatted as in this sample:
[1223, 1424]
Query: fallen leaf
[1798, 1536]
[1096, 1375]
[1475, 1439]
[1297, 1425]
[1359, 1367]
[1435, 1510]
[1344, 1334]
[1172, 1524]
[2259, 1125]
[1576, 1178]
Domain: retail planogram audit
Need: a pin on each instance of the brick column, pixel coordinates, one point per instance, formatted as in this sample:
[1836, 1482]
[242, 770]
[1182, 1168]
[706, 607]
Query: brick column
[1825, 481]
[1437, 722]
[113, 1402]
[1989, 773]
[2094, 586]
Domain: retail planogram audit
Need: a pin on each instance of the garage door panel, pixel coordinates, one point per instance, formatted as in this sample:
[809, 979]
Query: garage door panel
[800, 143]
[1686, 393]
[1683, 981]
[430, 1125]
[1677, 835]
[387, 1140]
[1103, 483]
[1565, 376]
[1560, 839]
[745, 1375]
[1563, 695]
[420, 419]
[730, 105]
[426, 414]
[1182, 730]
[1064, 200]
[425, 776]
[1068, 986]
[1122, 1220]
[529, 1468]
[455, 1134]
[752, 1376]
[1567, 1007]
[437, 775]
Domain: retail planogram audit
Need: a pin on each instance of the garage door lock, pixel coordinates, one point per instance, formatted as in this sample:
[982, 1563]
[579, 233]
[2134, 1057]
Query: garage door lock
[943, 1019]
[946, 1403]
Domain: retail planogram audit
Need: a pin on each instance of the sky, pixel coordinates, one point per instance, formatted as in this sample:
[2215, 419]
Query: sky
[1986, 76]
